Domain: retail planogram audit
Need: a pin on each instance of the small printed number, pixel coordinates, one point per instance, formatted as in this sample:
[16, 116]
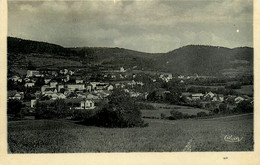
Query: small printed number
[225, 158]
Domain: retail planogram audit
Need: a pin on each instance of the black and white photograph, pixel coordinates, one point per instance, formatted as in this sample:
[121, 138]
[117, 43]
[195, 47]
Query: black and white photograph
[124, 76]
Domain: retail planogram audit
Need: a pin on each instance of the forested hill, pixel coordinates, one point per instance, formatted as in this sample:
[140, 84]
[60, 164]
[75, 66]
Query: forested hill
[203, 60]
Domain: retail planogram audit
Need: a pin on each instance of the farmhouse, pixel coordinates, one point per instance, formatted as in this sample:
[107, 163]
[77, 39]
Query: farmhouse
[87, 104]
[73, 87]
[166, 77]
[60, 86]
[53, 84]
[196, 96]
[49, 91]
[15, 78]
[47, 80]
[64, 71]
[79, 81]
[15, 95]
[44, 87]
[239, 99]
[80, 103]
[98, 85]
[209, 95]
[219, 98]
[110, 87]
[33, 73]
[29, 84]
[33, 103]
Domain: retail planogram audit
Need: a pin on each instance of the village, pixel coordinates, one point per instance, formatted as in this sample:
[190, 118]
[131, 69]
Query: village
[87, 91]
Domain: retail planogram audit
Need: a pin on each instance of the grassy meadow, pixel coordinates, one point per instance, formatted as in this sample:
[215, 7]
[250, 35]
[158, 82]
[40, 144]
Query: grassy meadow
[62, 136]
[167, 108]
[246, 90]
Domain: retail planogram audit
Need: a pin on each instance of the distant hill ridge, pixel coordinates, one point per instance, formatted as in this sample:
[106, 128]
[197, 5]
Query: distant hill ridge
[190, 59]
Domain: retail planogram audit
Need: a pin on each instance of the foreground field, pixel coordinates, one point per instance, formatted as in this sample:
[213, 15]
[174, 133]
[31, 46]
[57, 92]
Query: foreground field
[48, 136]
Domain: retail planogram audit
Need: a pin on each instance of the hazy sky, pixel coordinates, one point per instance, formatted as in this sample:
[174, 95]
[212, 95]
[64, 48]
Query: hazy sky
[149, 26]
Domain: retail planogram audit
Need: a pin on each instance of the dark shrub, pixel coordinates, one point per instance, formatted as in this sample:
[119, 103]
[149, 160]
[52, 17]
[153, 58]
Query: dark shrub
[202, 114]
[121, 111]
[223, 108]
[244, 107]
[145, 106]
[15, 107]
[175, 115]
[57, 109]
[163, 116]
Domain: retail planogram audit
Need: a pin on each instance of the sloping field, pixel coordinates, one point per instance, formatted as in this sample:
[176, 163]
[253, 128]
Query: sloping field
[60, 136]
[246, 90]
[167, 108]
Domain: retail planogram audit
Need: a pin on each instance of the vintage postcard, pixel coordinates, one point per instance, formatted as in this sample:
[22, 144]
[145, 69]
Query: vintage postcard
[129, 82]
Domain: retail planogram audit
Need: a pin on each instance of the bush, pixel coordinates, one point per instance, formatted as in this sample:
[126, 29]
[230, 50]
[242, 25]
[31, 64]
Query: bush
[15, 107]
[42, 111]
[176, 115]
[202, 114]
[57, 109]
[78, 114]
[145, 106]
[121, 111]
[163, 115]
[244, 107]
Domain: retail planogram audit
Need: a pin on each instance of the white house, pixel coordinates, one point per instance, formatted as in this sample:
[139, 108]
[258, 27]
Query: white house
[110, 87]
[196, 96]
[219, 98]
[44, 87]
[15, 78]
[71, 72]
[47, 80]
[89, 88]
[73, 87]
[49, 91]
[87, 104]
[209, 95]
[33, 103]
[15, 95]
[122, 69]
[29, 84]
[79, 81]
[239, 99]
[60, 86]
[61, 96]
[31, 73]
[53, 84]
[64, 71]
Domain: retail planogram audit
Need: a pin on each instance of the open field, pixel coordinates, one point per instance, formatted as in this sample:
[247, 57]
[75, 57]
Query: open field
[167, 108]
[207, 86]
[246, 90]
[60, 136]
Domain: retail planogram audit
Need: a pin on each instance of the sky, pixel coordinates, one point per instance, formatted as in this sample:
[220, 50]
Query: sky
[149, 26]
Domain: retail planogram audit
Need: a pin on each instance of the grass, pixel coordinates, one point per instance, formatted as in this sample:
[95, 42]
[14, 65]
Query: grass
[61, 136]
[167, 108]
[246, 90]
[44, 136]
[209, 134]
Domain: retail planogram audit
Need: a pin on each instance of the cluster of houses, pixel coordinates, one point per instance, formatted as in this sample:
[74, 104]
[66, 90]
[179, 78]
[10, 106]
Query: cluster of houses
[71, 87]
[81, 93]
[213, 97]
